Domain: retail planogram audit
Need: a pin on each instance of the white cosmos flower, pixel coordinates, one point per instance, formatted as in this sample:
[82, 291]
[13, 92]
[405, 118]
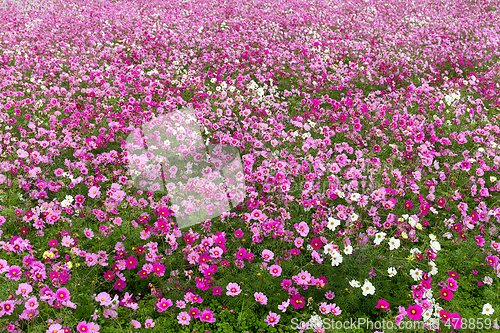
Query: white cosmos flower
[354, 216]
[368, 288]
[392, 271]
[394, 243]
[379, 237]
[434, 269]
[328, 248]
[355, 196]
[435, 246]
[348, 249]
[487, 309]
[355, 283]
[336, 258]
[416, 274]
[333, 223]
[426, 314]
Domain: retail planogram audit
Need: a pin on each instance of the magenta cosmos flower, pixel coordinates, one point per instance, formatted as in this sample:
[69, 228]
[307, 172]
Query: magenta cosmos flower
[456, 320]
[194, 312]
[415, 312]
[83, 327]
[452, 284]
[207, 315]
[445, 316]
[233, 289]
[164, 304]
[383, 305]
[131, 262]
[316, 243]
[238, 233]
[446, 294]
[217, 290]
[408, 204]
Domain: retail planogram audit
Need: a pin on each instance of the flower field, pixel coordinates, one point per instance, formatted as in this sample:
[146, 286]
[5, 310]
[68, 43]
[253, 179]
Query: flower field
[363, 183]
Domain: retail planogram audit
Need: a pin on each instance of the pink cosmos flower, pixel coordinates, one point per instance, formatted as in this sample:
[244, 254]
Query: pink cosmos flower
[298, 242]
[62, 294]
[94, 192]
[4, 266]
[67, 241]
[7, 307]
[14, 273]
[149, 323]
[324, 307]
[31, 303]
[241, 253]
[452, 284]
[284, 305]
[109, 275]
[316, 243]
[119, 284]
[261, 298]
[272, 319]
[217, 291]
[55, 328]
[24, 289]
[184, 318]
[93, 327]
[233, 289]
[302, 228]
[275, 270]
[104, 298]
[88, 233]
[408, 204]
[334, 309]
[135, 323]
[268, 255]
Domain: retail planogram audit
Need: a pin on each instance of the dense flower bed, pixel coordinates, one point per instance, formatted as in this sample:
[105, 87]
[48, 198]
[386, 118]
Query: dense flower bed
[368, 136]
